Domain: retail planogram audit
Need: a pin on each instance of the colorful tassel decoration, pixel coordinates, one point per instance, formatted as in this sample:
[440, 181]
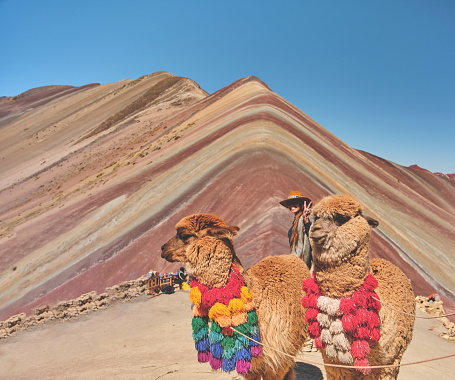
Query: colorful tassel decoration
[359, 320]
[216, 313]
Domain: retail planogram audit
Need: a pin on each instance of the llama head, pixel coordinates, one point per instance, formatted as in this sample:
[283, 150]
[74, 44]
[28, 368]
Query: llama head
[340, 232]
[204, 243]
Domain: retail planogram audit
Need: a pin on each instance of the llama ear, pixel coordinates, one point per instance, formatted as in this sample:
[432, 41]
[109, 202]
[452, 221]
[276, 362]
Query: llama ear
[221, 232]
[372, 222]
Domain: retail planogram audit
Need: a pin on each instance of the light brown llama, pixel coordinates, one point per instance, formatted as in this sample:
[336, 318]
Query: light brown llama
[343, 313]
[204, 243]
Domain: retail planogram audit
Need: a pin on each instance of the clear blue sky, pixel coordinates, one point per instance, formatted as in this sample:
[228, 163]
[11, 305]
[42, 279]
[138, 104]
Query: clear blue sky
[379, 74]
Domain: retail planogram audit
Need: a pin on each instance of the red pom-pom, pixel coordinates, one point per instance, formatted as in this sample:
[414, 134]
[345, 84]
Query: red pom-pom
[363, 333]
[311, 315]
[373, 302]
[348, 322]
[370, 283]
[314, 329]
[310, 287]
[373, 319]
[227, 331]
[360, 299]
[361, 316]
[375, 335]
[347, 305]
[362, 363]
[360, 349]
[318, 342]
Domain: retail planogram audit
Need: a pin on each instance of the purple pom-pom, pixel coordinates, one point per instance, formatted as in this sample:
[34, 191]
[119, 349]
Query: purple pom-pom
[242, 367]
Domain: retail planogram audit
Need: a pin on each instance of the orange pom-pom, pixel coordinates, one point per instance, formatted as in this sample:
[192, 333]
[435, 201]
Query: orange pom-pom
[239, 319]
[223, 321]
[197, 312]
[249, 306]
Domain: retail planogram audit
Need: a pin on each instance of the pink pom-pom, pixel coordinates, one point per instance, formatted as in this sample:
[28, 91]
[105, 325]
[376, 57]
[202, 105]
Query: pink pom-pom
[242, 367]
[360, 349]
[216, 363]
[256, 351]
[362, 363]
[203, 357]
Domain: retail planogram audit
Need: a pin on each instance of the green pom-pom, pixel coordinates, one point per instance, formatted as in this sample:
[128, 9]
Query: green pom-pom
[244, 328]
[252, 318]
[199, 323]
[215, 327]
[228, 342]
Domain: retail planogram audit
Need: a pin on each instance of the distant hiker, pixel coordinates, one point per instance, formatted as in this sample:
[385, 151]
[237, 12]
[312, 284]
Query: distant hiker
[299, 241]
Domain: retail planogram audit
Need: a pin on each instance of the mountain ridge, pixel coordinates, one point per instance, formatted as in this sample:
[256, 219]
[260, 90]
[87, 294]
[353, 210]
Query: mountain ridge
[81, 214]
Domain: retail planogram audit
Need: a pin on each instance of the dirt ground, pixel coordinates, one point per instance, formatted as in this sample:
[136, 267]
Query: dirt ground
[150, 338]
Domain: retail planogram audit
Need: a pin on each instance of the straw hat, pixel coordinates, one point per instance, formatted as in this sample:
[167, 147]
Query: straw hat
[293, 196]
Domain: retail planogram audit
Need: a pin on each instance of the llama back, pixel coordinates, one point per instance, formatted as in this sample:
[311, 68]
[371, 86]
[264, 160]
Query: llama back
[276, 283]
[394, 289]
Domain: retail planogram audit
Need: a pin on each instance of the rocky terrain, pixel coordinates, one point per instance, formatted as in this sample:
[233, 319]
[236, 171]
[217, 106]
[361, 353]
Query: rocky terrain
[94, 178]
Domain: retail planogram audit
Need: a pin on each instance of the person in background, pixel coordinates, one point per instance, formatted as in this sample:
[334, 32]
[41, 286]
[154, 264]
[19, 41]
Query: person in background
[299, 241]
[180, 277]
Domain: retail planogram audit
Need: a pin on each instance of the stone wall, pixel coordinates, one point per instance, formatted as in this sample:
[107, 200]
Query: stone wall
[67, 310]
[436, 308]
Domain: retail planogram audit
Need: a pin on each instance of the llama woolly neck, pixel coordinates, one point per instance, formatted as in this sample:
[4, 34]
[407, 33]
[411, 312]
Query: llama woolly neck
[216, 311]
[346, 326]
[343, 279]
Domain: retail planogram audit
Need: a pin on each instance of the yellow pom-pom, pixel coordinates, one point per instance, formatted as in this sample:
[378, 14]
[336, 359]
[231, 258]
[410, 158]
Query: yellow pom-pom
[217, 310]
[246, 294]
[195, 296]
[236, 306]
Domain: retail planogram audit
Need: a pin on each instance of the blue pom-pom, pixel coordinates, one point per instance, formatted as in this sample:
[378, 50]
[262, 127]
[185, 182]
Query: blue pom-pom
[216, 350]
[243, 354]
[228, 365]
[203, 345]
[256, 338]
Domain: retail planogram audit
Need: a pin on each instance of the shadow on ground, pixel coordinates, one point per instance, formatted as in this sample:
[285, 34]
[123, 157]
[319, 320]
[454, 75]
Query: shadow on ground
[307, 372]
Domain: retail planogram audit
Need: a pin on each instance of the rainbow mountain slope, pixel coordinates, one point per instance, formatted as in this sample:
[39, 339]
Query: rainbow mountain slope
[93, 180]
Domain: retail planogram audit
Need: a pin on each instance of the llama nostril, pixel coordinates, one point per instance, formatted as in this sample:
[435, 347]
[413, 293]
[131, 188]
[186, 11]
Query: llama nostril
[163, 247]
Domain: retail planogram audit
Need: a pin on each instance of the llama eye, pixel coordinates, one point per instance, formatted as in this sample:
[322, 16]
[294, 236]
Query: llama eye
[341, 219]
[185, 237]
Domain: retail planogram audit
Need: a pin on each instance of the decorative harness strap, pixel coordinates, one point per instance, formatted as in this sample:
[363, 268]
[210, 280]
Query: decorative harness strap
[226, 307]
[344, 327]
